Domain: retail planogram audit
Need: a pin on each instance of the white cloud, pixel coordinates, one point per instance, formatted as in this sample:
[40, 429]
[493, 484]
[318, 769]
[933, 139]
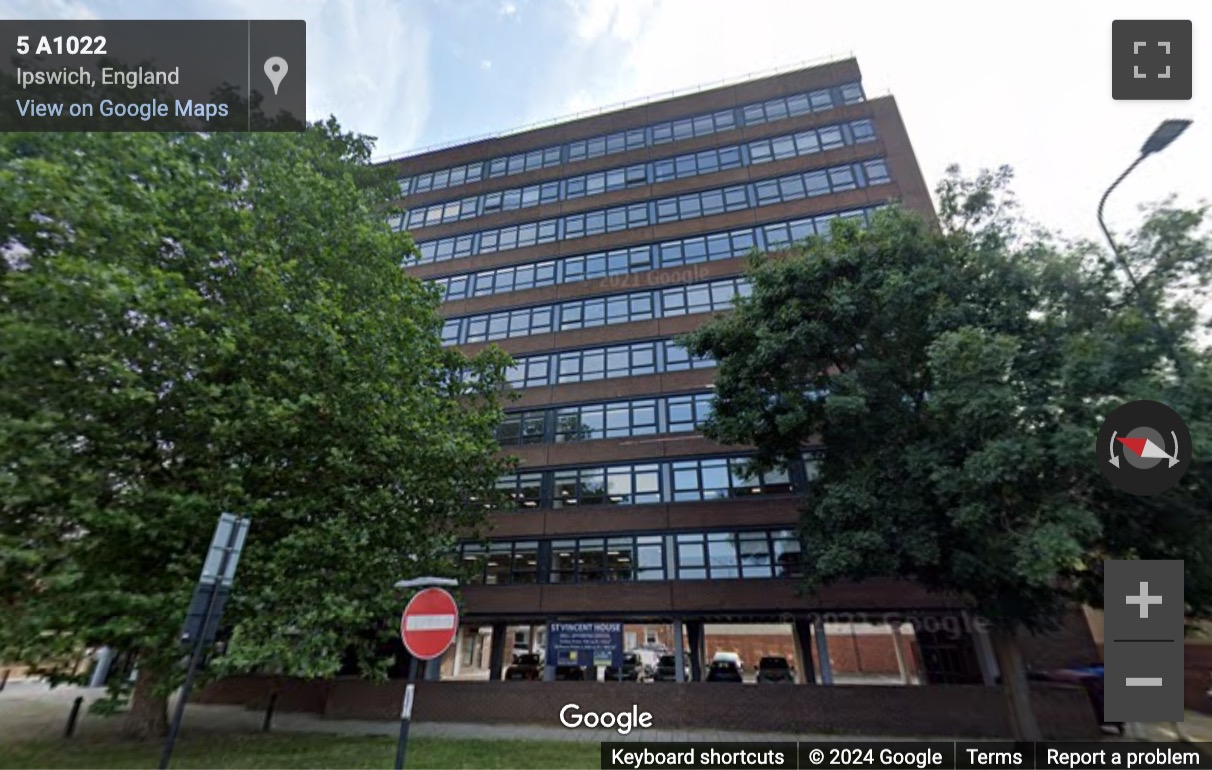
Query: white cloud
[507, 9]
[485, 64]
[978, 84]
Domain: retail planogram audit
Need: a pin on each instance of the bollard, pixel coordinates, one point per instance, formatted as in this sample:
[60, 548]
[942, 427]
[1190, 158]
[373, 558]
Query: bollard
[269, 712]
[4, 679]
[71, 719]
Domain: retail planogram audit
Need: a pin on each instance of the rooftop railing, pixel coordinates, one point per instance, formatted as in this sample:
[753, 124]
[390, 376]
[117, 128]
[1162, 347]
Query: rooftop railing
[756, 75]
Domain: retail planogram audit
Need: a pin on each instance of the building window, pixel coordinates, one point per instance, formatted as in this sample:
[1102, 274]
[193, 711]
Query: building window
[587, 364]
[691, 555]
[521, 428]
[520, 491]
[687, 413]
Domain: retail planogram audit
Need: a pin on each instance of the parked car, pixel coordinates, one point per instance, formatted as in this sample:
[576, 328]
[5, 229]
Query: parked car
[730, 657]
[724, 671]
[527, 666]
[633, 669]
[569, 674]
[667, 669]
[774, 668]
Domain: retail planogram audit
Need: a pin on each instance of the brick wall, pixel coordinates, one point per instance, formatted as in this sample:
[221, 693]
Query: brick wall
[1064, 712]
[1072, 644]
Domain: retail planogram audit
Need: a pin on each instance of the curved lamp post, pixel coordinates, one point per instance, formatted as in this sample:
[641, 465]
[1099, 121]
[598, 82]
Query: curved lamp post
[1159, 140]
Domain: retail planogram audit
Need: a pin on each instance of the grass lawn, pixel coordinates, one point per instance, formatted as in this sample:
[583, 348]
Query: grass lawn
[282, 750]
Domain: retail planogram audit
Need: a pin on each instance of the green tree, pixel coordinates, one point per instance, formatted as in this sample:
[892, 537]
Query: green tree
[966, 366]
[192, 324]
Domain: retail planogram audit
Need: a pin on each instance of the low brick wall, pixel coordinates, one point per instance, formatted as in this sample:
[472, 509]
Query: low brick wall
[1064, 713]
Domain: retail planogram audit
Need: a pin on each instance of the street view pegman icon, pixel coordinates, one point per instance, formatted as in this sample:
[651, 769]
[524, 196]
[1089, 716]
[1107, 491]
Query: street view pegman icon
[1144, 448]
[1151, 59]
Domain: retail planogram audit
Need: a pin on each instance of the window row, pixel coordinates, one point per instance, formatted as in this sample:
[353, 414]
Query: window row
[632, 359]
[664, 481]
[636, 138]
[676, 208]
[633, 259]
[595, 311]
[615, 419]
[821, 182]
[682, 166]
[728, 555]
[811, 141]
[780, 235]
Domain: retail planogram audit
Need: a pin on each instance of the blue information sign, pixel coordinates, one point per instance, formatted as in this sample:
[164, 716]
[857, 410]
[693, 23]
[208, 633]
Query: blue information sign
[585, 644]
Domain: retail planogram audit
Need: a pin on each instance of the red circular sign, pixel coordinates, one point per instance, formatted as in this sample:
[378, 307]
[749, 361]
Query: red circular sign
[429, 623]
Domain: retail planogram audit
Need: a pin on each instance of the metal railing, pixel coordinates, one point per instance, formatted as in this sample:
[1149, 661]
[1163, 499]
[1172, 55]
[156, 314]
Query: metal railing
[729, 81]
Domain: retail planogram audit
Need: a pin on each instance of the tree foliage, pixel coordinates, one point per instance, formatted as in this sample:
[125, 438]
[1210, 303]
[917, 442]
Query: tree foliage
[192, 324]
[957, 373]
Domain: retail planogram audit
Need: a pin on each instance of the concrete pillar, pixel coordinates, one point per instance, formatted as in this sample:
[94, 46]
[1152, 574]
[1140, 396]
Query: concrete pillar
[900, 652]
[984, 653]
[801, 634]
[496, 658]
[695, 630]
[105, 658]
[679, 651]
[458, 660]
[822, 651]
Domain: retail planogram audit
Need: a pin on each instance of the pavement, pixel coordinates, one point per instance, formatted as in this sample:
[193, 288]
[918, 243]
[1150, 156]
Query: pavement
[29, 710]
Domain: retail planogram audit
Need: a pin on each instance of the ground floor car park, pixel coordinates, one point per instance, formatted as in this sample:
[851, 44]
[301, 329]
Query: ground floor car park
[839, 647]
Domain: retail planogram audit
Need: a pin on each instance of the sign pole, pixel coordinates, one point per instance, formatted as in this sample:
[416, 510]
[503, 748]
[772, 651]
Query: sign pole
[235, 535]
[428, 626]
[406, 714]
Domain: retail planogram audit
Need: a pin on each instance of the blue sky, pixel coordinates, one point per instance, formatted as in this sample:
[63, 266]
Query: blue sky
[978, 84]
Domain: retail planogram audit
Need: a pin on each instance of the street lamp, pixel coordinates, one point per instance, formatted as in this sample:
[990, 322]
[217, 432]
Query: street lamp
[1159, 140]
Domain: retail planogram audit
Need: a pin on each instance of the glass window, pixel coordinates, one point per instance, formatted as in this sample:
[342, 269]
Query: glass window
[851, 93]
[499, 563]
[831, 137]
[591, 560]
[791, 188]
[474, 557]
[650, 558]
[722, 555]
[816, 182]
[877, 172]
[842, 178]
[863, 130]
[787, 557]
[691, 564]
[620, 559]
[798, 104]
[767, 192]
[783, 147]
[563, 561]
[755, 558]
[525, 562]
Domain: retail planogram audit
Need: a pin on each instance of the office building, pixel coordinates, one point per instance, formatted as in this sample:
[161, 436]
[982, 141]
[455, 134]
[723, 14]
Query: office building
[583, 248]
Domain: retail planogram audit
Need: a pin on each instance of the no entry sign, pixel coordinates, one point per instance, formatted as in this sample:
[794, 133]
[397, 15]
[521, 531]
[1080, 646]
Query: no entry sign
[429, 623]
